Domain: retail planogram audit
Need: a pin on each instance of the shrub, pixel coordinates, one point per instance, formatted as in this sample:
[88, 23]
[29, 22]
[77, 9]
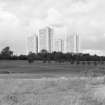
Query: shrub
[31, 57]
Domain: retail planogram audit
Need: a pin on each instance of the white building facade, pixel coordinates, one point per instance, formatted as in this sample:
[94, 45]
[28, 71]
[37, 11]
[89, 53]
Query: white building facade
[45, 39]
[30, 44]
[72, 43]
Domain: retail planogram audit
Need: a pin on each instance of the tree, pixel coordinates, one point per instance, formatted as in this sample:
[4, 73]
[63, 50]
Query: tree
[59, 57]
[43, 51]
[22, 57]
[49, 57]
[44, 55]
[68, 57]
[31, 57]
[6, 53]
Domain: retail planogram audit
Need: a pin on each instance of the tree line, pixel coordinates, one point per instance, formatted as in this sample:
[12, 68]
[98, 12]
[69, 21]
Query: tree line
[44, 56]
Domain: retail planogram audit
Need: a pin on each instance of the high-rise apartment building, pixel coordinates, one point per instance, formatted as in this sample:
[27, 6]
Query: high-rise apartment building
[36, 44]
[77, 43]
[45, 39]
[30, 44]
[59, 45]
[72, 43]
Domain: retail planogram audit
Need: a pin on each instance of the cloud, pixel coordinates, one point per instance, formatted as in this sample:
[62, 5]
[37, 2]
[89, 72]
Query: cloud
[54, 17]
[93, 52]
[8, 24]
[20, 18]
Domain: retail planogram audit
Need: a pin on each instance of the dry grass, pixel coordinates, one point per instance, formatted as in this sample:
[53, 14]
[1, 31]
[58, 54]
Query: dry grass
[61, 91]
[52, 84]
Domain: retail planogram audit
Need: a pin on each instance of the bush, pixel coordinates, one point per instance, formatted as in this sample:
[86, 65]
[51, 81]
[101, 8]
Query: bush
[31, 57]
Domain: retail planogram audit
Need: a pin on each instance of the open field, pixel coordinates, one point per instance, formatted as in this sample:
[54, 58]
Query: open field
[51, 84]
[58, 91]
[39, 69]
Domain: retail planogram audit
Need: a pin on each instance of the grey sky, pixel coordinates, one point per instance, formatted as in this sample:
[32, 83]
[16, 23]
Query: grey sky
[21, 18]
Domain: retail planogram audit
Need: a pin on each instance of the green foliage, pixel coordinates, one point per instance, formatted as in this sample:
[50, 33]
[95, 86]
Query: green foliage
[59, 57]
[31, 57]
[44, 55]
[6, 53]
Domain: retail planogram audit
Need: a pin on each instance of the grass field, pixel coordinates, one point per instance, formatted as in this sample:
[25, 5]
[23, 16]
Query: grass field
[51, 84]
[71, 91]
[40, 69]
